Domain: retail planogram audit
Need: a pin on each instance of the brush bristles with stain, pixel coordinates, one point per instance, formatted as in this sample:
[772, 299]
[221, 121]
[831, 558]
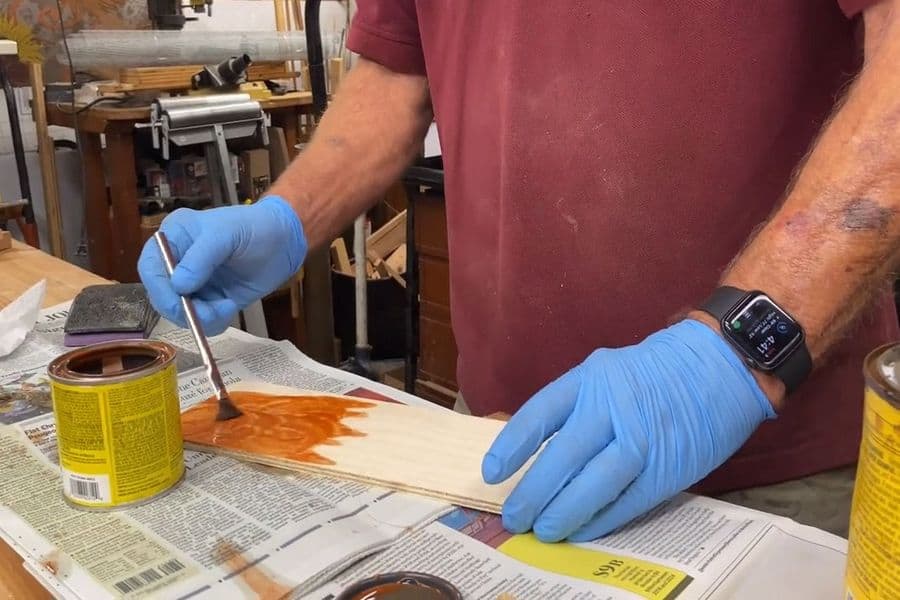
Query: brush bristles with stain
[227, 409]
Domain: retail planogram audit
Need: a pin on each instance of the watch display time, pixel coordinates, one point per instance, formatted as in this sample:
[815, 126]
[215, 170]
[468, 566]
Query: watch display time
[763, 330]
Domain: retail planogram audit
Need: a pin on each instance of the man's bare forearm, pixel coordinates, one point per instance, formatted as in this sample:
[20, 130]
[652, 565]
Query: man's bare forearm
[836, 238]
[367, 137]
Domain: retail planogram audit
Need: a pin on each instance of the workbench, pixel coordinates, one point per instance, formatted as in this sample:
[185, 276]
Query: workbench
[112, 220]
[22, 267]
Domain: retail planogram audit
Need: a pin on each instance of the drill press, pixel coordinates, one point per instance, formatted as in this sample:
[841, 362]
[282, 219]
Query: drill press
[170, 14]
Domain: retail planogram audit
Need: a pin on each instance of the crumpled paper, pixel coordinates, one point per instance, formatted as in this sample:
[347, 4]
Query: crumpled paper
[19, 317]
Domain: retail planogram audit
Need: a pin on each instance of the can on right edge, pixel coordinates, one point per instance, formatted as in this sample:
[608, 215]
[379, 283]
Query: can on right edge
[873, 556]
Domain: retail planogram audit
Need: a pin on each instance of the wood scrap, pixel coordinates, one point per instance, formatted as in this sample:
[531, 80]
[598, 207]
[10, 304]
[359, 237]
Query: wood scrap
[426, 451]
[340, 259]
[397, 260]
[5, 240]
[389, 237]
[279, 155]
[335, 74]
[383, 269]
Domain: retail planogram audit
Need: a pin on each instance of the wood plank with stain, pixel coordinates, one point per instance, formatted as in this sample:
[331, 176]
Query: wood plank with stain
[430, 452]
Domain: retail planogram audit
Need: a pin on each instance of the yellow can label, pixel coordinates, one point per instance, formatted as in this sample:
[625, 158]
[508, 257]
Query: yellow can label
[873, 557]
[119, 443]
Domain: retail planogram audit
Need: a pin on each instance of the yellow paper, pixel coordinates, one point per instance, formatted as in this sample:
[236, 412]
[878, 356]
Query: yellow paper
[646, 579]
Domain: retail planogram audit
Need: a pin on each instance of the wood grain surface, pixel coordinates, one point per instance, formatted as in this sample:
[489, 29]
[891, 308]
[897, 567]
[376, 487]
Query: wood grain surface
[430, 452]
[23, 266]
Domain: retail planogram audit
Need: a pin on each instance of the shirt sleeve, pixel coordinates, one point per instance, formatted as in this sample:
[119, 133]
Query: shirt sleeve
[387, 32]
[852, 8]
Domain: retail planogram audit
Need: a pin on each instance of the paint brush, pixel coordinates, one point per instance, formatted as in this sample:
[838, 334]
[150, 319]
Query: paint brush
[227, 409]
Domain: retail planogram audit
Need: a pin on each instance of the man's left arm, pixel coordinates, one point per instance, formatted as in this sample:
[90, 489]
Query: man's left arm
[630, 427]
[836, 237]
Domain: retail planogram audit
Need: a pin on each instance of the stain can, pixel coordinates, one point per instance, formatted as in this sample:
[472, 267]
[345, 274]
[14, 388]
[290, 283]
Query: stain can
[118, 423]
[402, 585]
[873, 556]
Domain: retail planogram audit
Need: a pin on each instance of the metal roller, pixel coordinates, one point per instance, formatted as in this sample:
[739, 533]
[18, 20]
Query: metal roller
[194, 116]
[203, 100]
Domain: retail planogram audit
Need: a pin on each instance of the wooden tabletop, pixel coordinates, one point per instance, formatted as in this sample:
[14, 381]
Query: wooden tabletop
[20, 268]
[23, 266]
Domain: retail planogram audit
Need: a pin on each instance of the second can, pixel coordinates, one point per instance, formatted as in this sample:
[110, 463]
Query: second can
[873, 557]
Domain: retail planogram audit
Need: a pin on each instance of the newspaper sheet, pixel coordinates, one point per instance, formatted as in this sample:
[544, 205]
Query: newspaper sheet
[688, 548]
[236, 530]
[227, 527]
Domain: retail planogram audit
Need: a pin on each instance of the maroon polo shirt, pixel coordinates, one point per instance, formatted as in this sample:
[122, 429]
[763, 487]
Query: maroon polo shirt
[604, 161]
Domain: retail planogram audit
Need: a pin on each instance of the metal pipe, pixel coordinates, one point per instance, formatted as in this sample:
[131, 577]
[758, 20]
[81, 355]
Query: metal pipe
[224, 113]
[150, 48]
[18, 147]
[359, 253]
[315, 58]
[200, 101]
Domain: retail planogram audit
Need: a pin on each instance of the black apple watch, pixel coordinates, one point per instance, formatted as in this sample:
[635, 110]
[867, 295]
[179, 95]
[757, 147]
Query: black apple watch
[763, 334]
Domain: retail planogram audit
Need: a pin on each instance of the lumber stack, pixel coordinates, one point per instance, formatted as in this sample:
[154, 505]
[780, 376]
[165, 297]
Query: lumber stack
[385, 252]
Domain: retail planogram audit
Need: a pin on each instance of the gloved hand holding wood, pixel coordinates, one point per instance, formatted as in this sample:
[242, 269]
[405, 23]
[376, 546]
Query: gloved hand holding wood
[633, 426]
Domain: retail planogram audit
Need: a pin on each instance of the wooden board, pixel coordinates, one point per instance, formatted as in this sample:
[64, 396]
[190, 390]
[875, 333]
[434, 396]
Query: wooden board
[388, 237]
[430, 452]
[179, 77]
[15, 581]
[397, 260]
[340, 259]
[47, 156]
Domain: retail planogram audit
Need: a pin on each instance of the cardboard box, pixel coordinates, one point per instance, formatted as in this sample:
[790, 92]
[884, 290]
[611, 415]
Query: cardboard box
[254, 174]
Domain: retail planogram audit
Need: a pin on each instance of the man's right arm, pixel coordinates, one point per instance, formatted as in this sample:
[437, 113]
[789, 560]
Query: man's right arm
[367, 137]
[231, 256]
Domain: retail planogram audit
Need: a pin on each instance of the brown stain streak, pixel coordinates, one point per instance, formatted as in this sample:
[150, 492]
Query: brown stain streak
[260, 583]
[282, 426]
[51, 565]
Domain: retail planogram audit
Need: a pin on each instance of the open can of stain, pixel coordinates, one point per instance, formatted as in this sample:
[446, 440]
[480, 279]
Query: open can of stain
[118, 423]
[873, 554]
[402, 585]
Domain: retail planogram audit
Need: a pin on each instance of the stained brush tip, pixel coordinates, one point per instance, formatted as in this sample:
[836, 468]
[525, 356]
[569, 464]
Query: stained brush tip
[227, 410]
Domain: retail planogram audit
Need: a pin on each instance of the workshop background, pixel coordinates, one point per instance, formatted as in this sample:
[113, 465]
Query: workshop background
[409, 340]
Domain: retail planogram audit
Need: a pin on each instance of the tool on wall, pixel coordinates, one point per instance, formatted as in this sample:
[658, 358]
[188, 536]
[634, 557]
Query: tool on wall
[227, 75]
[169, 14]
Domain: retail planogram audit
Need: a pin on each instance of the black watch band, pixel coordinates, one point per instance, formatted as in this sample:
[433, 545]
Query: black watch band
[792, 371]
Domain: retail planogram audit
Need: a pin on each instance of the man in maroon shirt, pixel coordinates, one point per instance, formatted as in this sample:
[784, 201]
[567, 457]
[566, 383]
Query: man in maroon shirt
[622, 177]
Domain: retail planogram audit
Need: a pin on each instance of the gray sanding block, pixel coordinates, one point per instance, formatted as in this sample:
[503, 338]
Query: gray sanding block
[109, 312]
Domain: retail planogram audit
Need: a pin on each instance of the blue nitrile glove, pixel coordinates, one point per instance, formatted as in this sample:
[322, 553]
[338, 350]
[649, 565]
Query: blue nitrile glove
[636, 425]
[226, 259]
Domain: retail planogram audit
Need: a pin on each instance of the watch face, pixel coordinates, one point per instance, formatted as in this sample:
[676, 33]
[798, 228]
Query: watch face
[765, 332]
